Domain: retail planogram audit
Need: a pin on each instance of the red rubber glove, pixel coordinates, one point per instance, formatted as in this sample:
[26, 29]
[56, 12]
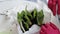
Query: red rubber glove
[52, 6]
[49, 29]
[58, 12]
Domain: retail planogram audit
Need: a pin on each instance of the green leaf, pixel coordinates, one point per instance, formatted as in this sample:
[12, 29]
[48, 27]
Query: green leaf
[28, 20]
[34, 13]
[25, 25]
[40, 17]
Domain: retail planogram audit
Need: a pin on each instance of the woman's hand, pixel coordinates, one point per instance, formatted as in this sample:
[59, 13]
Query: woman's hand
[49, 29]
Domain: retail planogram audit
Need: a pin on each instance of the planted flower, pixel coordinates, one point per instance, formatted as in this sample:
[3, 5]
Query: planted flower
[26, 19]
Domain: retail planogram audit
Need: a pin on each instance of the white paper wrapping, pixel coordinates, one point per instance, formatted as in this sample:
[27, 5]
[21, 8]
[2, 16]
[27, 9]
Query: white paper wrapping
[18, 6]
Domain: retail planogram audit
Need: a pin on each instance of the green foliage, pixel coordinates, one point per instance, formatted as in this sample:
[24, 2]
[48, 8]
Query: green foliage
[29, 18]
